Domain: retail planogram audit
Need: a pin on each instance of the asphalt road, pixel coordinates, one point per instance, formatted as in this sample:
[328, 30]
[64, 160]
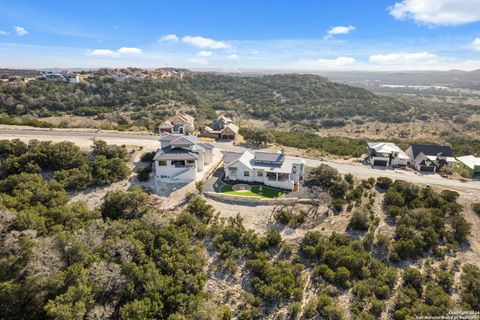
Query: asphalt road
[359, 170]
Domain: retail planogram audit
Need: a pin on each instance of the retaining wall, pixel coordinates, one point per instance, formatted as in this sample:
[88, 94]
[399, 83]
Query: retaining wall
[257, 200]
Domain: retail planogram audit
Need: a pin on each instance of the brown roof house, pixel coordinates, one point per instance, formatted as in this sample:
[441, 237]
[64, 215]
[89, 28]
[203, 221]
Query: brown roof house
[222, 128]
[179, 123]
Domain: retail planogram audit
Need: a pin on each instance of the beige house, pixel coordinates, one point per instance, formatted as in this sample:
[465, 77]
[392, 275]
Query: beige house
[222, 128]
[180, 123]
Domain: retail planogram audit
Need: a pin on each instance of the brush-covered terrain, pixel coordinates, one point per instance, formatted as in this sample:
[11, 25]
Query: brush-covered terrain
[394, 250]
[144, 102]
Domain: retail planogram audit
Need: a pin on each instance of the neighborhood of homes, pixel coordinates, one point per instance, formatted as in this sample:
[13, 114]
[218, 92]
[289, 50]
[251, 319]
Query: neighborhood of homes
[184, 157]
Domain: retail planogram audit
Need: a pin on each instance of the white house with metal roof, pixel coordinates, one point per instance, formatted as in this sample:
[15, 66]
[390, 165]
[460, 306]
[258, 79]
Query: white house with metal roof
[386, 154]
[180, 158]
[471, 164]
[272, 169]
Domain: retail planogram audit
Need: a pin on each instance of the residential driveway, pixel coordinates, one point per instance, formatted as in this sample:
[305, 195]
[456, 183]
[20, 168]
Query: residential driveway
[214, 183]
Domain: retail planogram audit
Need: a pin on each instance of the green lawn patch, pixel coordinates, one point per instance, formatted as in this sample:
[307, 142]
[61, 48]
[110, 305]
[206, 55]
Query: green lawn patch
[267, 192]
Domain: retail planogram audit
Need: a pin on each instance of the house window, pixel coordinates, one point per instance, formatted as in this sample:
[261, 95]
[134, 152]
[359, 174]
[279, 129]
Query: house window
[162, 163]
[178, 163]
[246, 173]
[191, 161]
[259, 173]
[232, 169]
[294, 169]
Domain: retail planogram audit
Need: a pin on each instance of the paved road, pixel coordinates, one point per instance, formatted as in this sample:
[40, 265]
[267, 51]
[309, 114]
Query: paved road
[359, 170]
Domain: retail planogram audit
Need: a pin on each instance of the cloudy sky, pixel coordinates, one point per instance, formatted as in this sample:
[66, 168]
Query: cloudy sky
[281, 34]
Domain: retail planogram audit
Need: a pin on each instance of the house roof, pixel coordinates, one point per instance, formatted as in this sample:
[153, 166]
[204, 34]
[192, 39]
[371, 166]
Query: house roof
[470, 161]
[276, 157]
[173, 136]
[166, 123]
[232, 127]
[230, 156]
[173, 153]
[248, 160]
[182, 118]
[431, 150]
[387, 147]
[184, 141]
[221, 123]
[206, 146]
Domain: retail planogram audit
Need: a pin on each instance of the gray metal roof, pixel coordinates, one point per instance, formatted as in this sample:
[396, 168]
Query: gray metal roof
[171, 137]
[205, 145]
[230, 156]
[169, 153]
[269, 157]
[431, 150]
[184, 140]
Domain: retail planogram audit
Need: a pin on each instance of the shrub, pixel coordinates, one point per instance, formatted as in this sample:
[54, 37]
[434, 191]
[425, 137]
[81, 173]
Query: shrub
[144, 173]
[125, 205]
[147, 156]
[337, 205]
[283, 216]
[384, 183]
[359, 221]
[476, 207]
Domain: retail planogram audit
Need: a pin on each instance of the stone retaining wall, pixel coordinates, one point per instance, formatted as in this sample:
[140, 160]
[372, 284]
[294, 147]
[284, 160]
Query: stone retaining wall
[257, 200]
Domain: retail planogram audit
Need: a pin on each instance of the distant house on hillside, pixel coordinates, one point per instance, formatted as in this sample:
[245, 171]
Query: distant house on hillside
[386, 154]
[429, 157]
[222, 128]
[272, 169]
[470, 164]
[69, 77]
[180, 123]
[180, 158]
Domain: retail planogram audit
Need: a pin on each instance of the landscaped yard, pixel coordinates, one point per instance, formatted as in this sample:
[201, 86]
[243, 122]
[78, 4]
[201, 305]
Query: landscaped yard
[265, 192]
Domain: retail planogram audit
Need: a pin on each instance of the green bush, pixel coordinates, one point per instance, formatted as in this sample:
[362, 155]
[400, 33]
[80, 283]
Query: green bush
[147, 156]
[384, 183]
[144, 173]
[125, 205]
[359, 220]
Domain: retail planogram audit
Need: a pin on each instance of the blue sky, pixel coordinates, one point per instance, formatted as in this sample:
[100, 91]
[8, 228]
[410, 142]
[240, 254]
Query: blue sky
[300, 35]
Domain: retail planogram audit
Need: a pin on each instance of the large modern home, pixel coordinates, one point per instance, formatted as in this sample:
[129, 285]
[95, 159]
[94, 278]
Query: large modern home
[180, 158]
[386, 154]
[222, 128]
[272, 169]
[180, 123]
[429, 157]
[470, 164]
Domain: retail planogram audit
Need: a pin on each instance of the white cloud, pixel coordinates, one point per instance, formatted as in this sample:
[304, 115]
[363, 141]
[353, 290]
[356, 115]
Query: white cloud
[406, 58]
[204, 53]
[3, 33]
[476, 44]
[168, 38]
[205, 42]
[20, 31]
[233, 56]
[333, 31]
[437, 12]
[104, 53]
[123, 51]
[129, 51]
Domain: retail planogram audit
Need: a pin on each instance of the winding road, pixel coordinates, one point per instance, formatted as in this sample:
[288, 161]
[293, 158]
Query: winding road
[84, 137]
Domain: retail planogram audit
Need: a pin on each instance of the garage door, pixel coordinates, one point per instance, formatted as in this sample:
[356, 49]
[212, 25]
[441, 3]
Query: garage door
[378, 163]
[427, 168]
